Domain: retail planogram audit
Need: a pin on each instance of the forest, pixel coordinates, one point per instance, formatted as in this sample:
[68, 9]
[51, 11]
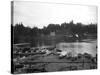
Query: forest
[22, 34]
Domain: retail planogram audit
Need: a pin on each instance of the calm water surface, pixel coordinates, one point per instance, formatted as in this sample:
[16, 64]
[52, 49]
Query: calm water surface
[86, 46]
[83, 46]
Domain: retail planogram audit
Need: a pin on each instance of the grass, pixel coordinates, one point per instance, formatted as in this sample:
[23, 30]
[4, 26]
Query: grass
[51, 63]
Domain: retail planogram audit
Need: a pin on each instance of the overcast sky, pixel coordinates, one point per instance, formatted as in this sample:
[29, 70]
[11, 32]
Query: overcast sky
[41, 14]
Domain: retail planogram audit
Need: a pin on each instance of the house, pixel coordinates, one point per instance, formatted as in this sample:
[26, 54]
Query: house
[52, 34]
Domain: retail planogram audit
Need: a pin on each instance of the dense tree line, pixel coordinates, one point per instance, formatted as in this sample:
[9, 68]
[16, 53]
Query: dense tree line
[27, 34]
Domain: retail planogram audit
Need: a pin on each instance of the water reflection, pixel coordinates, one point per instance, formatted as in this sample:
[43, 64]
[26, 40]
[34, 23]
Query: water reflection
[79, 47]
[83, 46]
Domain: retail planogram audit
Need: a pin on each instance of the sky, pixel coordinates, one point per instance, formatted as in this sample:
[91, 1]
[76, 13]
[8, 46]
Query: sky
[39, 14]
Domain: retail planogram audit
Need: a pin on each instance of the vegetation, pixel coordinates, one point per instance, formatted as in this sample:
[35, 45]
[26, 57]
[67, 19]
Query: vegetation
[25, 59]
[36, 63]
[23, 34]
